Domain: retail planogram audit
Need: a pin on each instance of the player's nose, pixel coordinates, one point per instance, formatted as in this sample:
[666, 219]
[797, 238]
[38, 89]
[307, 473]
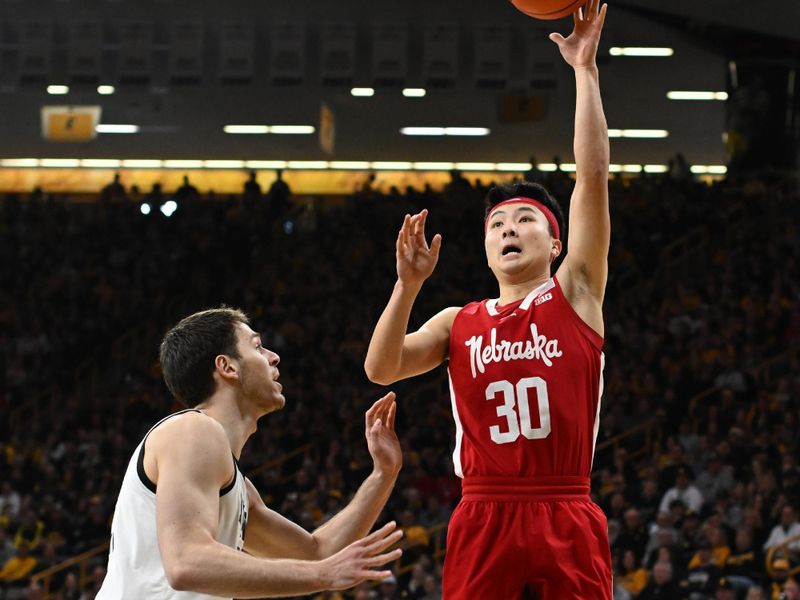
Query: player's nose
[274, 359]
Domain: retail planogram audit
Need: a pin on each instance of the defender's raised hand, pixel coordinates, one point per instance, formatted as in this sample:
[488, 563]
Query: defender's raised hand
[415, 259]
[384, 447]
[580, 48]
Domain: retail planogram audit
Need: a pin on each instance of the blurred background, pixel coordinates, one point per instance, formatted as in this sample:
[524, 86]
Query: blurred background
[158, 157]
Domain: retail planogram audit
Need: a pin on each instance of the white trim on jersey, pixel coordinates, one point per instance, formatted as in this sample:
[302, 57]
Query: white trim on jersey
[491, 305]
[459, 429]
[597, 416]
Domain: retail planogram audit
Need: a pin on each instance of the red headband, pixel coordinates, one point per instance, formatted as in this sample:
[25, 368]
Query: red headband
[551, 218]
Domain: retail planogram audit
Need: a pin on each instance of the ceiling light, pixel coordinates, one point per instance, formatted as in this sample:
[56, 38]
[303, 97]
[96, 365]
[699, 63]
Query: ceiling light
[223, 164]
[265, 164]
[106, 90]
[423, 131]
[655, 168]
[638, 133]
[466, 131]
[292, 129]
[307, 164]
[641, 51]
[145, 208]
[251, 129]
[363, 92]
[183, 164]
[709, 169]
[58, 90]
[455, 131]
[434, 166]
[414, 92]
[137, 163]
[686, 95]
[100, 163]
[19, 162]
[475, 166]
[391, 165]
[118, 128]
[349, 164]
[65, 163]
[518, 167]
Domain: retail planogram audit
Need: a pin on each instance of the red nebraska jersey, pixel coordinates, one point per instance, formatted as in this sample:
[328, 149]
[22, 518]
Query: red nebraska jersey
[525, 385]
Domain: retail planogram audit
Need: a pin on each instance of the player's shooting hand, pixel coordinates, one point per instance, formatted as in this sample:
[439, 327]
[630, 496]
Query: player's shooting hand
[384, 447]
[415, 259]
[356, 563]
[580, 48]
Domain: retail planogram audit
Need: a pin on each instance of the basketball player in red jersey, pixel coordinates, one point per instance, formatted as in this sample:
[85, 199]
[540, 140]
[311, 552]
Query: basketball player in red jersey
[525, 371]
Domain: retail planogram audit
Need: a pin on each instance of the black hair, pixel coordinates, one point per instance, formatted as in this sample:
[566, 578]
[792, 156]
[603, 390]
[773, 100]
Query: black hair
[534, 191]
[189, 349]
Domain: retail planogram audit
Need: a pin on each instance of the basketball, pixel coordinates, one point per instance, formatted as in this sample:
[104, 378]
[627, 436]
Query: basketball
[548, 9]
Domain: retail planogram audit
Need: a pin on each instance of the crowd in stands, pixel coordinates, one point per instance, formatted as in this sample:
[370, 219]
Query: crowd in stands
[694, 517]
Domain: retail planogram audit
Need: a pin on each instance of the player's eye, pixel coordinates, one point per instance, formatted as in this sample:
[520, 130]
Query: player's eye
[525, 219]
[497, 224]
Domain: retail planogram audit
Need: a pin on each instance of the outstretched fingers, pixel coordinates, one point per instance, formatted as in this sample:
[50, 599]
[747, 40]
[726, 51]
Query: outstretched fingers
[382, 539]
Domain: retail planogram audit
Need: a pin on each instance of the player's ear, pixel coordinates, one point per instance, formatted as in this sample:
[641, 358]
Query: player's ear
[555, 251]
[225, 367]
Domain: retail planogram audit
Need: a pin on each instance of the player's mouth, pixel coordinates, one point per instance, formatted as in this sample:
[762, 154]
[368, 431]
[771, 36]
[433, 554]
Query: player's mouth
[511, 250]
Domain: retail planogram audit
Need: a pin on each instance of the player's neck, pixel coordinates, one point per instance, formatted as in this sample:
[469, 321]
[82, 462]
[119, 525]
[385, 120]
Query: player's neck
[238, 423]
[511, 291]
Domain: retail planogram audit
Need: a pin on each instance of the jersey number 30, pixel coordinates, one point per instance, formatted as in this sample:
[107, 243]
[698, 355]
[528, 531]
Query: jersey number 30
[516, 409]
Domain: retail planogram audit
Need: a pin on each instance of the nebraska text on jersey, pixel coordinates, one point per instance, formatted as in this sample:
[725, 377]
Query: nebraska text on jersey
[538, 348]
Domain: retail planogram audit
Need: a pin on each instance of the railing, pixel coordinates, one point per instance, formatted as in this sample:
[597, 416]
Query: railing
[82, 560]
[652, 433]
[763, 373]
[782, 550]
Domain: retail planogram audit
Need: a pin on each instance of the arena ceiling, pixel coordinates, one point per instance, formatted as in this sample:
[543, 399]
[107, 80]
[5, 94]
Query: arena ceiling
[482, 63]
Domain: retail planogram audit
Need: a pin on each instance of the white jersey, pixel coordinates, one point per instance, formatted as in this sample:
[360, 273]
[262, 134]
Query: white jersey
[135, 570]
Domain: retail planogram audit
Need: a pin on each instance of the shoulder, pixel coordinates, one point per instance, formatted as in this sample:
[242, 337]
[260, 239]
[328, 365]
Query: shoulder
[443, 320]
[192, 440]
[190, 426]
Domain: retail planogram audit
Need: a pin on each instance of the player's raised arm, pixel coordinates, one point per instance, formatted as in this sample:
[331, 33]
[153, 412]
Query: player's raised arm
[272, 535]
[393, 354]
[585, 268]
[193, 460]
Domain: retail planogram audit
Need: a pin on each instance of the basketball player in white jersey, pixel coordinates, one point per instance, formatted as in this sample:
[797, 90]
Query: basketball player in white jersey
[185, 511]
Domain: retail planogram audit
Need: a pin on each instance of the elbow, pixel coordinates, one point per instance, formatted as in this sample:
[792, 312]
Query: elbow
[180, 577]
[183, 576]
[377, 375]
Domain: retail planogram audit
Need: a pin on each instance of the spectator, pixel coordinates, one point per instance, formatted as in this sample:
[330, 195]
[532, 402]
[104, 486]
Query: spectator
[715, 478]
[745, 564]
[662, 586]
[755, 592]
[725, 590]
[16, 569]
[703, 574]
[252, 189]
[791, 590]
[780, 574]
[632, 577]
[187, 193]
[788, 527]
[684, 491]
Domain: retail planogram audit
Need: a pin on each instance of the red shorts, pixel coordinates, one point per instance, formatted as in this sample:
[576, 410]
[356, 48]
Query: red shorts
[517, 540]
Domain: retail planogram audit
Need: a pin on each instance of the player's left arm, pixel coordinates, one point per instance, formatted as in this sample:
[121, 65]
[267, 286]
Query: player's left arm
[271, 535]
[584, 272]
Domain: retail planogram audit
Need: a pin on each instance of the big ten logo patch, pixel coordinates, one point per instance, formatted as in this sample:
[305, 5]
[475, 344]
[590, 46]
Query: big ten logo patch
[543, 298]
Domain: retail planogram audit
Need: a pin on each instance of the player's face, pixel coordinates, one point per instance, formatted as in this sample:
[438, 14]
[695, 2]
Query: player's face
[518, 241]
[259, 371]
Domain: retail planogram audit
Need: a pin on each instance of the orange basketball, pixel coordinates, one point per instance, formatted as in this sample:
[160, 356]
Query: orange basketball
[548, 9]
